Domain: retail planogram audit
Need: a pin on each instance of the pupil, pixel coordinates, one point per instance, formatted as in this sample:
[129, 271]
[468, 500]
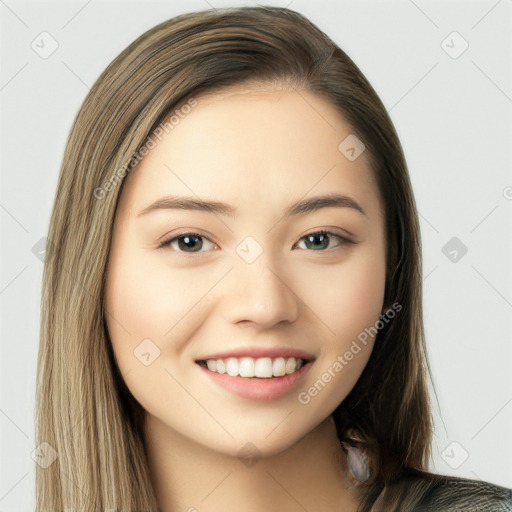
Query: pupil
[188, 242]
[313, 239]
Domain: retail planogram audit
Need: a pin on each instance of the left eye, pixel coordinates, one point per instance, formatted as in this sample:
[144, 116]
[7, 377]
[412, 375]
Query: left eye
[194, 242]
[322, 239]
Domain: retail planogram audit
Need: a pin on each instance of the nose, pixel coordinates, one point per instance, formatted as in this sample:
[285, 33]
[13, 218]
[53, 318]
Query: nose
[260, 295]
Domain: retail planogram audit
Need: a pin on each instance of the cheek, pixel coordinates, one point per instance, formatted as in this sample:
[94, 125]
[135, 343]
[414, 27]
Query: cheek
[144, 301]
[135, 304]
[350, 307]
[349, 298]
[148, 314]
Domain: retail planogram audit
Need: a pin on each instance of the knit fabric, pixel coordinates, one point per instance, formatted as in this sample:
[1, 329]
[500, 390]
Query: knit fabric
[453, 494]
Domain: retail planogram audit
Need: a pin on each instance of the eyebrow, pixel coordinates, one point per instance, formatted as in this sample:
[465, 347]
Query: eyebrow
[299, 208]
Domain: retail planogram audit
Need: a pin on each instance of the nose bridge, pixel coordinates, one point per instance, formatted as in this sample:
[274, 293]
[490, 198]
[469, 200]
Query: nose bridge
[260, 293]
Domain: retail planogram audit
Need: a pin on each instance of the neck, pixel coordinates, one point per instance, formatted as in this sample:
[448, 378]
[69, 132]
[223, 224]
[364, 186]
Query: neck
[310, 475]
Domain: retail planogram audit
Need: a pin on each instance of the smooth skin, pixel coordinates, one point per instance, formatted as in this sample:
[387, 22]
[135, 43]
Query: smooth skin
[258, 149]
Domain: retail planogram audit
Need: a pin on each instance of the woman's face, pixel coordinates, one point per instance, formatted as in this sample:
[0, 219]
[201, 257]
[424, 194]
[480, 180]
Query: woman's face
[239, 279]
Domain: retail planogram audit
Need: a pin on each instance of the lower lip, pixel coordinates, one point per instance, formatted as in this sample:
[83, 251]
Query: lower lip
[259, 389]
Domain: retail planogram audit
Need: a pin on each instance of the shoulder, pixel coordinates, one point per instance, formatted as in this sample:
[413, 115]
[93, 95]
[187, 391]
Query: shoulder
[449, 493]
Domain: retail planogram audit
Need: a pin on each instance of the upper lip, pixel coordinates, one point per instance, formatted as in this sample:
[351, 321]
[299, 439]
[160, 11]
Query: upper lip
[258, 352]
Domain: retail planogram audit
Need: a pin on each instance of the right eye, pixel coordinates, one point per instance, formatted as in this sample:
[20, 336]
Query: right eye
[188, 243]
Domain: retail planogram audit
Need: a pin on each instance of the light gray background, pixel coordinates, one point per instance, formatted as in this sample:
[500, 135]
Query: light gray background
[453, 116]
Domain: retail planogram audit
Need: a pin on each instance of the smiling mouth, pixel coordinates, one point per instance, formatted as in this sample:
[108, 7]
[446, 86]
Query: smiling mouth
[254, 368]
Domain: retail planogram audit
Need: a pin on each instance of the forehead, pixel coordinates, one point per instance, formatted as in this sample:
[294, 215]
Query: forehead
[252, 146]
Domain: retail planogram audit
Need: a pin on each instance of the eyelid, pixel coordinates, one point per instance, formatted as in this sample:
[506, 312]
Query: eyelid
[345, 238]
[167, 240]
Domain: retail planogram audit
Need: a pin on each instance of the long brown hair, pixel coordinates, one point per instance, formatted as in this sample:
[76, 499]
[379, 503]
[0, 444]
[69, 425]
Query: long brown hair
[84, 410]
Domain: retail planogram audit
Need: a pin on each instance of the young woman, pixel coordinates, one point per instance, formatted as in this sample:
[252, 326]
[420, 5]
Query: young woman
[231, 314]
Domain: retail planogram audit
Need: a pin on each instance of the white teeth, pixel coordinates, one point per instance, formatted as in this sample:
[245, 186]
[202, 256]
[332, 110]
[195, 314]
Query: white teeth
[232, 366]
[263, 367]
[221, 367]
[246, 367]
[279, 367]
[290, 366]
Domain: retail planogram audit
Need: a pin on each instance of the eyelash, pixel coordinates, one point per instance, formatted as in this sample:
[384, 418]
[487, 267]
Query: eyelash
[343, 241]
